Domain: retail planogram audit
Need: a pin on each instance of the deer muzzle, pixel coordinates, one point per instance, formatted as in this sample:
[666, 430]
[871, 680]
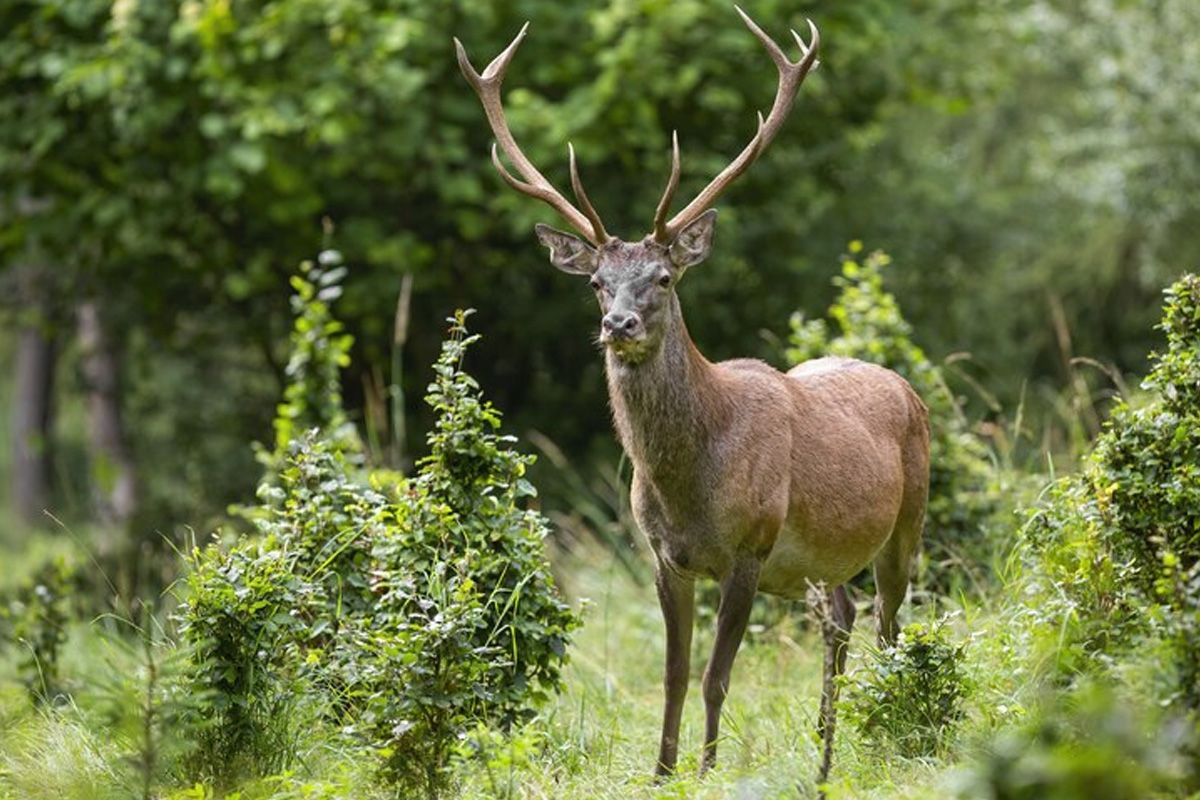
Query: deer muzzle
[621, 326]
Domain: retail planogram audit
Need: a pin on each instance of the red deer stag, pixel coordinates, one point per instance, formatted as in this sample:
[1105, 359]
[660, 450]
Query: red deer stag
[758, 480]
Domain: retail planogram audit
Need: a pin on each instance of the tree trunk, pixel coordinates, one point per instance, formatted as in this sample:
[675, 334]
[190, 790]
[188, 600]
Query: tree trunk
[33, 397]
[113, 472]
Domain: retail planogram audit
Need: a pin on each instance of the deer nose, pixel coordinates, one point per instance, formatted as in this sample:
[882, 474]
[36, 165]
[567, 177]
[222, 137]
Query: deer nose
[618, 323]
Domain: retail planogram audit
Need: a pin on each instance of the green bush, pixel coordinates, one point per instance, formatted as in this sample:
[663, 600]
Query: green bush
[415, 615]
[239, 612]
[249, 609]
[33, 618]
[1088, 748]
[320, 350]
[1179, 631]
[470, 622]
[909, 697]
[1102, 536]
[962, 494]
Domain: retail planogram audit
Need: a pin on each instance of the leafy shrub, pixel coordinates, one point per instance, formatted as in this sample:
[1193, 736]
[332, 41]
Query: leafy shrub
[469, 621]
[34, 619]
[320, 349]
[1103, 536]
[239, 611]
[1147, 473]
[1091, 748]
[909, 697]
[870, 327]
[243, 605]
[1179, 631]
[499, 758]
[418, 614]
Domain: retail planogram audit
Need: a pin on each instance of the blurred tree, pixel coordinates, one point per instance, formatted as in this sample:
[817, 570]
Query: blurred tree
[44, 149]
[33, 398]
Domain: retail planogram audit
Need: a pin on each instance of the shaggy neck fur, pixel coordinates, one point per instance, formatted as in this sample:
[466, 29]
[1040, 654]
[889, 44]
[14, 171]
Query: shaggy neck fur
[666, 406]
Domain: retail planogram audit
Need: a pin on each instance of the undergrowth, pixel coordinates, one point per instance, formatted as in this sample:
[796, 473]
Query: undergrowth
[353, 587]
[909, 697]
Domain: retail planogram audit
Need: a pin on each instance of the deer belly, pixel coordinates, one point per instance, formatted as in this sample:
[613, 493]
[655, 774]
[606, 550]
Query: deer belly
[789, 571]
[832, 557]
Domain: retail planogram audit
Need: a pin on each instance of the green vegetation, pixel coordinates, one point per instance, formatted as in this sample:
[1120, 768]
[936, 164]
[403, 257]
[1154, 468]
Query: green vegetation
[377, 636]
[341, 612]
[35, 620]
[1093, 749]
[1119, 543]
[437, 584]
[171, 163]
[909, 697]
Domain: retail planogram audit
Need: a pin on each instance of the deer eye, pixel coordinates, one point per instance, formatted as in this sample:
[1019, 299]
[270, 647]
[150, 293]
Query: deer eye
[664, 281]
[596, 284]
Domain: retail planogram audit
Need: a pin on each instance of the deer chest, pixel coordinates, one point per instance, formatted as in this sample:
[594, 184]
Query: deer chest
[685, 537]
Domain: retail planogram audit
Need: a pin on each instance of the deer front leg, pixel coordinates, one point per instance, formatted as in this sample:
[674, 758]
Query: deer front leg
[677, 596]
[737, 597]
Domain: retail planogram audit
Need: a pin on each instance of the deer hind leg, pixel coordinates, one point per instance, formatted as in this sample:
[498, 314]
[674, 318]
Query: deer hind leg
[893, 566]
[737, 598]
[837, 613]
[677, 596]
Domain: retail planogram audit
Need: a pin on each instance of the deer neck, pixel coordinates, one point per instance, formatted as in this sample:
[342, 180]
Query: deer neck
[666, 407]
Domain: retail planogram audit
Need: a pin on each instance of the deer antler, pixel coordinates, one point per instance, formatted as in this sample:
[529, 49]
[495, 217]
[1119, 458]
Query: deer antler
[487, 86]
[791, 75]
[664, 205]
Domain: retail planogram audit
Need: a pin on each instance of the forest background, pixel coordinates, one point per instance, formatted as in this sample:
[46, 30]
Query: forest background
[1029, 166]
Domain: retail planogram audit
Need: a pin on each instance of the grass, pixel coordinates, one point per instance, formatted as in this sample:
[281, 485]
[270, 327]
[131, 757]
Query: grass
[600, 737]
[54, 756]
[597, 739]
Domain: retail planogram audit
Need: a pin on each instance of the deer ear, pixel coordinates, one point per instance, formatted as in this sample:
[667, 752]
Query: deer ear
[567, 251]
[694, 243]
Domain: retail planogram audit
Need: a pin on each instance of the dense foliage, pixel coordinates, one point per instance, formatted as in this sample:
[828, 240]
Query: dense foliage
[173, 160]
[438, 585]
[1089, 749]
[1104, 536]
[1113, 573]
[909, 697]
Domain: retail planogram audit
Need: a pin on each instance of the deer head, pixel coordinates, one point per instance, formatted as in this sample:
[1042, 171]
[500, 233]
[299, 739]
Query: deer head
[634, 281]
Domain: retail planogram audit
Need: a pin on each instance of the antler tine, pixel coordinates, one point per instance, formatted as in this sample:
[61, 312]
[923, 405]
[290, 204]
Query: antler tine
[791, 75]
[588, 209]
[487, 86]
[804, 48]
[494, 72]
[664, 205]
[521, 186]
